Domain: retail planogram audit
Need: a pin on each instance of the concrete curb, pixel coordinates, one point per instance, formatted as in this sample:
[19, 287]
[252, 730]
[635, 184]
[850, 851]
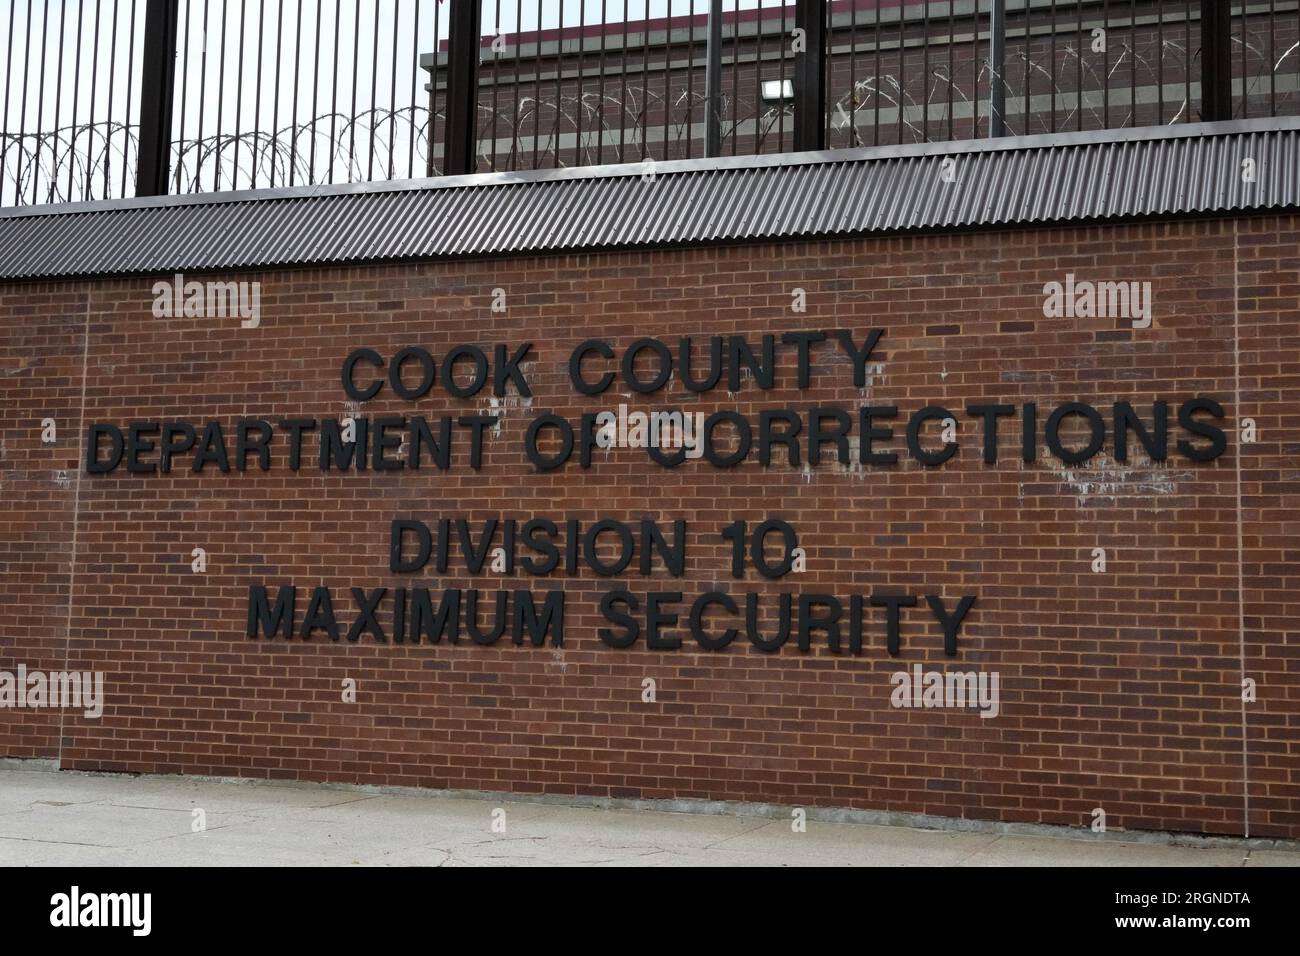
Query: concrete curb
[23, 763]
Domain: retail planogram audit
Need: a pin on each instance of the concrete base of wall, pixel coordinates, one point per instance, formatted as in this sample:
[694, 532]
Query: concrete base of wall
[768, 811]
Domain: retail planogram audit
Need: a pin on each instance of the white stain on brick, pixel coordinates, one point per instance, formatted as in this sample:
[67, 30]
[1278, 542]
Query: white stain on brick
[875, 373]
[853, 467]
[1102, 479]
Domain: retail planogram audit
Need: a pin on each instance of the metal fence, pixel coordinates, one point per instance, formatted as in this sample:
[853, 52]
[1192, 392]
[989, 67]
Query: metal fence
[335, 92]
[108, 98]
[69, 121]
[628, 86]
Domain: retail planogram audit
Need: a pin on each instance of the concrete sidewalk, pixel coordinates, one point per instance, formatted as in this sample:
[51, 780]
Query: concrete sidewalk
[49, 818]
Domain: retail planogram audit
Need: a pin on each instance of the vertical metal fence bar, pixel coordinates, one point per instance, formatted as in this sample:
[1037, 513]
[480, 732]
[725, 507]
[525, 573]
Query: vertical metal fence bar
[690, 76]
[1272, 58]
[1160, 65]
[537, 78]
[415, 89]
[462, 86]
[901, 81]
[514, 88]
[496, 86]
[112, 86]
[925, 70]
[130, 79]
[1132, 63]
[713, 82]
[34, 167]
[559, 87]
[1216, 60]
[221, 88]
[853, 76]
[645, 80]
[1079, 65]
[1052, 125]
[997, 66]
[293, 102]
[875, 92]
[952, 43]
[315, 90]
[581, 97]
[40, 100]
[433, 96]
[22, 108]
[275, 92]
[1105, 65]
[1245, 63]
[758, 77]
[810, 77]
[90, 118]
[58, 102]
[239, 95]
[975, 71]
[334, 90]
[156, 97]
[1024, 128]
[622, 96]
[76, 91]
[785, 43]
[600, 94]
[4, 130]
[257, 98]
[392, 91]
[352, 89]
[507, 162]
[827, 41]
[185, 96]
[1187, 60]
[735, 75]
[668, 63]
[374, 96]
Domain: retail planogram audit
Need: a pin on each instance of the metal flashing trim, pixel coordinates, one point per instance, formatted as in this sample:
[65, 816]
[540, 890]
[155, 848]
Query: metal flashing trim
[1157, 172]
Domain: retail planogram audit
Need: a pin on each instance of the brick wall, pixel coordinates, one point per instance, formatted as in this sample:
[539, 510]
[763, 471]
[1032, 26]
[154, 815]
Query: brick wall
[1119, 690]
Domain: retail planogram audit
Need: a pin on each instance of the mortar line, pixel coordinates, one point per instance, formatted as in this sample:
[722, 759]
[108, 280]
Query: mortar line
[76, 508]
[1241, 577]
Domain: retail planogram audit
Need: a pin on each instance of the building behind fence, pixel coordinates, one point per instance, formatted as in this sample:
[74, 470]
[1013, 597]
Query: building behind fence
[895, 73]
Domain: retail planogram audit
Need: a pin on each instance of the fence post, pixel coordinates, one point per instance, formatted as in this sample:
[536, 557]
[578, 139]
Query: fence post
[810, 76]
[462, 88]
[1216, 60]
[998, 69]
[713, 82]
[157, 88]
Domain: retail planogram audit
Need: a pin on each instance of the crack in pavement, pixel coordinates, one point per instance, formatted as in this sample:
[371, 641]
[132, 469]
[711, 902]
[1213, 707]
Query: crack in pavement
[100, 846]
[760, 825]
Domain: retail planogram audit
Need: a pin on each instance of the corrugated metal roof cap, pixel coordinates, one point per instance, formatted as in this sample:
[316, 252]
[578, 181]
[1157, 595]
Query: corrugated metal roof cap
[1161, 172]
